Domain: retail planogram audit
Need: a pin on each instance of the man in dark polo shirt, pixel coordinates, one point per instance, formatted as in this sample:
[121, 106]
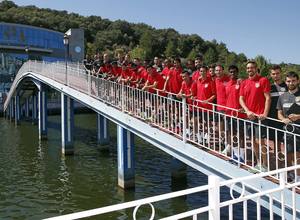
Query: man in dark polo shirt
[255, 100]
[278, 87]
[288, 107]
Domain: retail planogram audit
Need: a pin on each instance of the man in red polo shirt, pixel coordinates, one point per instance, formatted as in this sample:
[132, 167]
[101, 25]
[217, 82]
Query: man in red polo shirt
[186, 86]
[234, 109]
[221, 81]
[204, 89]
[205, 92]
[167, 65]
[174, 79]
[154, 80]
[115, 71]
[126, 73]
[255, 100]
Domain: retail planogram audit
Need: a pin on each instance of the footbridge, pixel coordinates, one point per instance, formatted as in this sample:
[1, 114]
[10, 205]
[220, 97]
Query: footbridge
[184, 130]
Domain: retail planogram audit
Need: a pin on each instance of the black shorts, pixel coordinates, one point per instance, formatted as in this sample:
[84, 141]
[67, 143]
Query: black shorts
[235, 124]
[292, 140]
[256, 129]
[274, 130]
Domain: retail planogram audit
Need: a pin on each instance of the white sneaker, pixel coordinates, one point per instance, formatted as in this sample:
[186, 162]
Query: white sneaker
[227, 150]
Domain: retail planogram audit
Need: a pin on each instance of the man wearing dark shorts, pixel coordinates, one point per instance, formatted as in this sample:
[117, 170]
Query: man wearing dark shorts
[278, 87]
[255, 100]
[288, 107]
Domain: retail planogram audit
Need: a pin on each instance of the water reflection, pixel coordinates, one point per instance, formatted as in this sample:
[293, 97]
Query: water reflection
[64, 188]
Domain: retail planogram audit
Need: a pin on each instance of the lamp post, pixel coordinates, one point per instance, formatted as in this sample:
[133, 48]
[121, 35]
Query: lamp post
[66, 43]
[27, 52]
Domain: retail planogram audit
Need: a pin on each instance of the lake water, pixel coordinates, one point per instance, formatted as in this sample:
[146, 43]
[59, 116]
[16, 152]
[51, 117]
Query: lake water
[38, 182]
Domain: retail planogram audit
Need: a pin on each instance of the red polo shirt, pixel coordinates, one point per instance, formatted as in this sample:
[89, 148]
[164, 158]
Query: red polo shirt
[253, 92]
[144, 74]
[116, 71]
[232, 98]
[195, 75]
[186, 89]
[126, 73]
[221, 91]
[165, 72]
[203, 90]
[156, 77]
[105, 68]
[175, 80]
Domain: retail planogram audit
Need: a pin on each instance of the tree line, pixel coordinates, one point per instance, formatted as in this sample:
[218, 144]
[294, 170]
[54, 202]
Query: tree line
[142, 40]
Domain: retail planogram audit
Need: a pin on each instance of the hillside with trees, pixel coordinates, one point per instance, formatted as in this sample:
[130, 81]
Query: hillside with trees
[140, 39]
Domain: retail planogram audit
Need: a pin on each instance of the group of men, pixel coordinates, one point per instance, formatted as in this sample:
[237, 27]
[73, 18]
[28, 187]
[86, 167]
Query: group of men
[255, 98]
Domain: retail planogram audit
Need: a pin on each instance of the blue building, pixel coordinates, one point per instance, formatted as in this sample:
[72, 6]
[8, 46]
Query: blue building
[19, 43]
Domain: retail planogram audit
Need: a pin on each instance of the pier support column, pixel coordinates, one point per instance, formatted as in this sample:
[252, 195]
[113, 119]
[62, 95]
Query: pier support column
[178, 175]
[12, 109]
[17, 109]
[34, 109]
[102, 130]
[27, 107]
[67, 124]
[126, 163]
[42, 107]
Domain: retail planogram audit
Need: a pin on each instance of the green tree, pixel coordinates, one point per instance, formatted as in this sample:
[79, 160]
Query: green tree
[171, 49]
[210, 56]
[262, 64]
[146, 43]
[138, 52]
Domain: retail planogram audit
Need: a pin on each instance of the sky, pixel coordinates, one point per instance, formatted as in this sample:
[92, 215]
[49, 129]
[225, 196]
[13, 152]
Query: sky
[254, 27]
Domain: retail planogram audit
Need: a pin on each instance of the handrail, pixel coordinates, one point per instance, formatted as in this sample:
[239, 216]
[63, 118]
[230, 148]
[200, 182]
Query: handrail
[229, 183]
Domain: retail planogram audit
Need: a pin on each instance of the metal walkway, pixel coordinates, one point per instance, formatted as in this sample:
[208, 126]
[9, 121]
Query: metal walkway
[160, 120]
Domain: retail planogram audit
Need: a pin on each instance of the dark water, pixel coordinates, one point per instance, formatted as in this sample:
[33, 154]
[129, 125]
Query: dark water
[36, 181]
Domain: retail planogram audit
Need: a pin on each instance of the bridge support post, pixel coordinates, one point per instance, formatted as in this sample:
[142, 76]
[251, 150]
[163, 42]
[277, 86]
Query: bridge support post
[27, 107]
[102, 130]
[34, 109]
[126, 163]
[178, 175]
[17, 109]
[67, 124]
[12, 109]
[42, 107]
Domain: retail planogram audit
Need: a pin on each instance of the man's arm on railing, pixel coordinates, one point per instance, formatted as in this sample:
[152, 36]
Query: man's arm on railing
[282, 118]
[267, 106]
[249, 113]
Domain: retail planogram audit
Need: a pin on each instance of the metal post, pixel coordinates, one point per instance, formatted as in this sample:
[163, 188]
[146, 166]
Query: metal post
[214, 197]
[66, 43]
[67, 124]
[184, 120]
[17, 109]
[42, 107]
[126, 163]
[102, 130]
[27, 107]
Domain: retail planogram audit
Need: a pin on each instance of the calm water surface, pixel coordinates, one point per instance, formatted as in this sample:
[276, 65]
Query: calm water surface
[38, 182]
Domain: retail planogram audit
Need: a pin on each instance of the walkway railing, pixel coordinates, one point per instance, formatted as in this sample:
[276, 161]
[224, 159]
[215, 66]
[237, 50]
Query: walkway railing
[248, 144]
[216, 208]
